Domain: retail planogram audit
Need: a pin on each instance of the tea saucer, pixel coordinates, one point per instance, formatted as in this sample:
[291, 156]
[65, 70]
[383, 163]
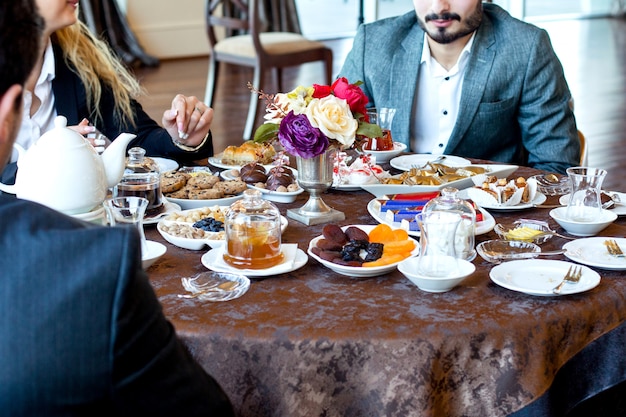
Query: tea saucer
[294, 258]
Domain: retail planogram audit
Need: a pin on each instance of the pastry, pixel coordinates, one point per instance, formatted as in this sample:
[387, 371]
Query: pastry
[248, 152]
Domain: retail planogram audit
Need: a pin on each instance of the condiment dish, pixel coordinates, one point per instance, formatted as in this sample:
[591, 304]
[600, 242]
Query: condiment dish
[408, 268]
[578, 228]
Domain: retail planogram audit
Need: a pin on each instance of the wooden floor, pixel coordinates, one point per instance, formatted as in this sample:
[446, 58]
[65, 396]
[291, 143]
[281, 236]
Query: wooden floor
[593, 53]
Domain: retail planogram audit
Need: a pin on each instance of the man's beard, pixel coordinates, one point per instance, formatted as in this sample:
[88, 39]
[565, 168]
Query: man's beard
[442, 35]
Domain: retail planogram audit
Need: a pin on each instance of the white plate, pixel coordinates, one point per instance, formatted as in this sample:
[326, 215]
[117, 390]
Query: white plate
[357, 271]
[187, 204]
[216, 161]
[540, 276]
[539, 199]
[500, 171]
[373, 207]
[197, 244]
[279, 197]
[591, 251]
[155, 251]
[294, 259]
[164, 164]
[406, 162]
[168, 208]
[385, 156]
[618, 208]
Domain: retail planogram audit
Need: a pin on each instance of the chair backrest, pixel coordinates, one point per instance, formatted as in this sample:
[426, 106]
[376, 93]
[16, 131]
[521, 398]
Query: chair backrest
[230, 15]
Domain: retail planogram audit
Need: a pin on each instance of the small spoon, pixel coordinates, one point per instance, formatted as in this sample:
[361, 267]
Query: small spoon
[223, 287]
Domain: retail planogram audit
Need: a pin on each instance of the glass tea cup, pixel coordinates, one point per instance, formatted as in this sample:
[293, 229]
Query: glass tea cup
[584, 203]
[128, 210]
[384, 118]
[438, 256]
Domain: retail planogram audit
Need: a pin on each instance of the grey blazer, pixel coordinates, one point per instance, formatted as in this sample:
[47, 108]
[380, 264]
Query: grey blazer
[515, 100]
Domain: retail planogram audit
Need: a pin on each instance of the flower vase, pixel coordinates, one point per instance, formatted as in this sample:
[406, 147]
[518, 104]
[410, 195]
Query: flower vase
[315, 175]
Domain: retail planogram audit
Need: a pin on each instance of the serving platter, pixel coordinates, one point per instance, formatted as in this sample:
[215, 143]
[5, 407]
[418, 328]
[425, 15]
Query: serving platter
[373, 208]
[407, 162]
[216, 161]
[498, 170]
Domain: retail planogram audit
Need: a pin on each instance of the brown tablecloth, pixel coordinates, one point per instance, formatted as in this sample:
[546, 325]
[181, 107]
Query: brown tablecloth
[316, 343]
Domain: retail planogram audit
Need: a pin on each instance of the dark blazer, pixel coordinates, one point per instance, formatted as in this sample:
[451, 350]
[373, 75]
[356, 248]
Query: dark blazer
[71, 102]
[81, 330]
[515, 102]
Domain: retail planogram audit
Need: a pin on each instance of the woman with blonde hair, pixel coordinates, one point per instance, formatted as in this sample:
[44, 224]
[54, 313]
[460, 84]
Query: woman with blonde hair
[79, 77]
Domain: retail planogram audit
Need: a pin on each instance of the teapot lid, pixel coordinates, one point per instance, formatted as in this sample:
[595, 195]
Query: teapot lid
[61, 134]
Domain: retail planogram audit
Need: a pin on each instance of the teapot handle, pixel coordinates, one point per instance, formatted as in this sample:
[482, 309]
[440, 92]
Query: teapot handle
[11, 189]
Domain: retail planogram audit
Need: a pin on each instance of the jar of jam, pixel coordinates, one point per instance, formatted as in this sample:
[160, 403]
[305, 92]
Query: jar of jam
[253, 233]
[141, 179]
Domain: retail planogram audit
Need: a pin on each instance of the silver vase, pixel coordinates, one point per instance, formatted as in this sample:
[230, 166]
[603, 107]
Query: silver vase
[315, 175]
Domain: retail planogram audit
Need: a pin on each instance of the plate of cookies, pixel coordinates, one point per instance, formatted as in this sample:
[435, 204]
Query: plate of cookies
[194, 187]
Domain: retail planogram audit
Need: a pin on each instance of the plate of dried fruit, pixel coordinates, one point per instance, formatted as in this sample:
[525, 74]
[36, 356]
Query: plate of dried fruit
[376, 250]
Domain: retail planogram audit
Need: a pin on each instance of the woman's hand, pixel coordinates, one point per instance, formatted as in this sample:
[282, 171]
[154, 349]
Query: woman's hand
[188, 121]
[93, 135]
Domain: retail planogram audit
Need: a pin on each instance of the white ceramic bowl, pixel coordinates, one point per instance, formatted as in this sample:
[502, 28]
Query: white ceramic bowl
[383, 157]
[408, 268]
[582, 228]
[356, 271]
[155, 251]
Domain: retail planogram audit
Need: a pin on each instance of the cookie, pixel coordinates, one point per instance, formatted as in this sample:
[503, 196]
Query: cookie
[173, 181]
[183, 193]
[204, 194]
[231, 187]
[203, 181]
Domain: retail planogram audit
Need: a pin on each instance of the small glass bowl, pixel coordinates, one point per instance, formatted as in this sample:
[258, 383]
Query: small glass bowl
[496, 251]
[551, 184]
[522, 231]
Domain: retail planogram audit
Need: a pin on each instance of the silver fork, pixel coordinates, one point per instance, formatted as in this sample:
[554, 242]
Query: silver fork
[573, 275]
[613, 248]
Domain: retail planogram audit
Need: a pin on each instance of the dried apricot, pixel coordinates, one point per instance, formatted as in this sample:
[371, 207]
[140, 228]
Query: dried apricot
[382, 233]
[384, 260]
[354, 233]
[334, 233]
[402, 247]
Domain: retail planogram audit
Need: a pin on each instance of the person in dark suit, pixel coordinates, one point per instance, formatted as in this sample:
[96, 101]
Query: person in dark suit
[79, 77]
[468, 79]
[81, 329]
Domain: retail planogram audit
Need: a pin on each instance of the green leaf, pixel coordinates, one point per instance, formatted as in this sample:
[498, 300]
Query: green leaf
[266, 132]
[369, 130]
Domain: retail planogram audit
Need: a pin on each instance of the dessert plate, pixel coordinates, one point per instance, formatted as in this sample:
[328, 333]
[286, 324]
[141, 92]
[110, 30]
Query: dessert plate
[540, 276]
[216, 161]
[373, 207]
[618, 208]
[164, 164]
[592, 251]
[168, 208]
[294, 259]
[406, 162]
[276, 196]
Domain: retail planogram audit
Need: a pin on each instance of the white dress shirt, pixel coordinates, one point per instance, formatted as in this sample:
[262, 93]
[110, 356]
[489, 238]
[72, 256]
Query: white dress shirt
[33, 127]
[436, 104]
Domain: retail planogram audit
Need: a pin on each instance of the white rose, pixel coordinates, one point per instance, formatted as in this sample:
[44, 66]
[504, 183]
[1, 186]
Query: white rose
[333, 117]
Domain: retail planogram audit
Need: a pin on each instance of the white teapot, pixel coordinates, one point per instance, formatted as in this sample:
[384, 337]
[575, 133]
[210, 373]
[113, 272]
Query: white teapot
[63, 171]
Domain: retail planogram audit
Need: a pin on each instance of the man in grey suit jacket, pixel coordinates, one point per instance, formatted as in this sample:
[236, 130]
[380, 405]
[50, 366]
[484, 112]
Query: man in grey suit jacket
[81, 330]
[510, 102]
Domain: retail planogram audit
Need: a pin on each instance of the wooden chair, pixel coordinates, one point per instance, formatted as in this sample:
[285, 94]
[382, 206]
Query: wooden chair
[583, 149]
[246, 43]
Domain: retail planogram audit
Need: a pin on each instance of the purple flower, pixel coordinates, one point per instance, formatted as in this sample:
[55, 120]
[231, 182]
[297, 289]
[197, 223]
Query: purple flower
[299, 138]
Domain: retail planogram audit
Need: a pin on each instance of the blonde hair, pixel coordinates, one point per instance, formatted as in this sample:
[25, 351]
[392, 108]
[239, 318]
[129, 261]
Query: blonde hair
[94, 62]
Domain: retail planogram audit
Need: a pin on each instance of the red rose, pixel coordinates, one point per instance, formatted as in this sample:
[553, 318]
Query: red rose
[352, 93]
[321, 91]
